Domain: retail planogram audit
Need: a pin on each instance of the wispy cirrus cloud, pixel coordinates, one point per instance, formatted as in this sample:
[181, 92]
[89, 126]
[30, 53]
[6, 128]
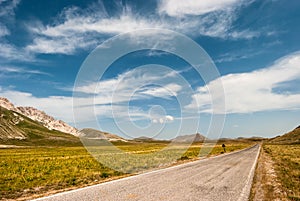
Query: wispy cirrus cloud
[255, 91]
[77, 28]
[80, 29]
[20, 70]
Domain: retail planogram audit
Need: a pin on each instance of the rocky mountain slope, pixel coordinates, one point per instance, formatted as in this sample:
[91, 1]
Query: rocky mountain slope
[17, 129]
[8, 128]
[39, 116]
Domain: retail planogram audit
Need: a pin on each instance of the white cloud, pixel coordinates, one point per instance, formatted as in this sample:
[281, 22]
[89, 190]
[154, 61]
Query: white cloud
[154, 121]
[255, 91]
[169, 118]
[164, 119]
[179, 8]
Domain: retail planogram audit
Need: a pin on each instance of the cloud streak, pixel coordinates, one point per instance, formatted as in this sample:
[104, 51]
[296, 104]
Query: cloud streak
[5, 70]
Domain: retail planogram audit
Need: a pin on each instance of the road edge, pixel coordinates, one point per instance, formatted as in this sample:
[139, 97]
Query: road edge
[245, 194]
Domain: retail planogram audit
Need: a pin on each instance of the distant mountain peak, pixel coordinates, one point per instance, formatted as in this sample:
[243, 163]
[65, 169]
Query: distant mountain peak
[190, 138]
[40, 116]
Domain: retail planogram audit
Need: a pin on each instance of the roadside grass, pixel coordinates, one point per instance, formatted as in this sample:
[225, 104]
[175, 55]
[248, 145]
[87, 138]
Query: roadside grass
[287, 167]
[38, 170]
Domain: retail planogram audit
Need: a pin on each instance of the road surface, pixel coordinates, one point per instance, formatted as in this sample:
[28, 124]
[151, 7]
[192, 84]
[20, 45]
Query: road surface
[225, 177]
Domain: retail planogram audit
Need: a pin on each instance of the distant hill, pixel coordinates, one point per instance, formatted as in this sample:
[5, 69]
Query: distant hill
[292, 137]
[17, 129]
[190, 138]
[96, 134]
[144, 139]
[254, 139]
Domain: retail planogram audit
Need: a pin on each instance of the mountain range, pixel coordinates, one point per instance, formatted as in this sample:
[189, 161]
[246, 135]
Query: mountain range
[30, 126]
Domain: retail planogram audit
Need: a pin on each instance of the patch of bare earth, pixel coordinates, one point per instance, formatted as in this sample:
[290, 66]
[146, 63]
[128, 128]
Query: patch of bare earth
[266, 185]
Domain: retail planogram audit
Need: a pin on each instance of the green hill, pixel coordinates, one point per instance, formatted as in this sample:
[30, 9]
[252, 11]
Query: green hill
[96, 134]
[16, 129]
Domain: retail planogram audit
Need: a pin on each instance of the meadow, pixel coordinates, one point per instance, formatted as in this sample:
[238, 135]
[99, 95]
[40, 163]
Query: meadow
[36, 171]
[287, 167]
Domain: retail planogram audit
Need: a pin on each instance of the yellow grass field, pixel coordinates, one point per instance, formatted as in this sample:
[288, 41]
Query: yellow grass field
[31, 171]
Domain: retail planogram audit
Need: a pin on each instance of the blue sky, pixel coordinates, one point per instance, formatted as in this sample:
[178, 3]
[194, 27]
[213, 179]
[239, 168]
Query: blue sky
[253, 44]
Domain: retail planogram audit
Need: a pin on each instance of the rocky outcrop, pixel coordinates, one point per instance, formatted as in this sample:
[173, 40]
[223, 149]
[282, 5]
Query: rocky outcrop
[5, 103]
[47, 121]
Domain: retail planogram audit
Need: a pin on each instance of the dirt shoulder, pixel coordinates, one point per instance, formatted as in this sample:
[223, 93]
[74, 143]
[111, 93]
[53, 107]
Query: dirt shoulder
[266, 185]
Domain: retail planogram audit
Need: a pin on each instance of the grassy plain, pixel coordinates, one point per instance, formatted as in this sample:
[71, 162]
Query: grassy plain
[287, 167]
[28, 171]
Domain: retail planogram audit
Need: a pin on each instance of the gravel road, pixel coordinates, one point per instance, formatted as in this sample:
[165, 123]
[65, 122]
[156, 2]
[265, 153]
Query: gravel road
[225, 177]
